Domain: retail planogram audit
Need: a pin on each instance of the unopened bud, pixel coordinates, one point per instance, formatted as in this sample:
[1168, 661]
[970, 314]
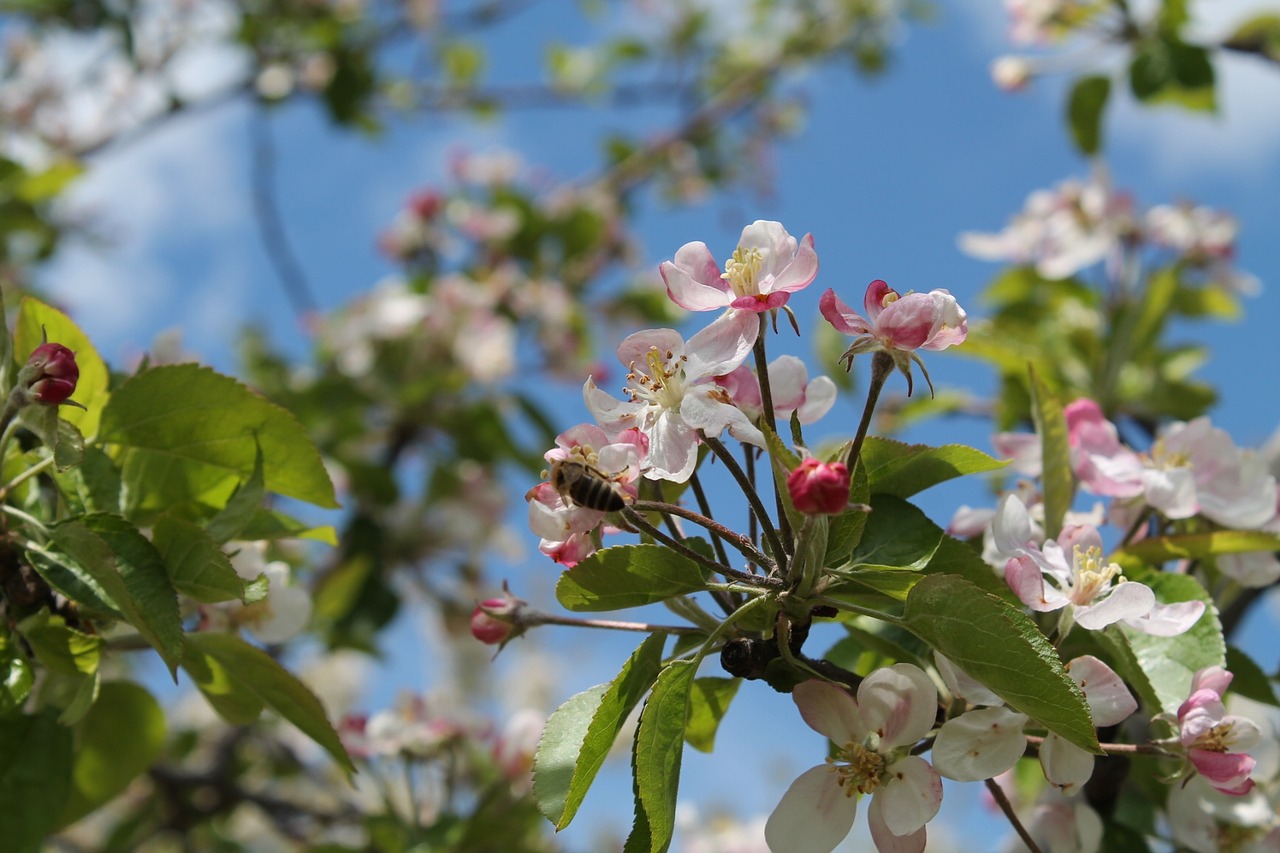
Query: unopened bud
[493, 620]
[50, 374]
[819, 488]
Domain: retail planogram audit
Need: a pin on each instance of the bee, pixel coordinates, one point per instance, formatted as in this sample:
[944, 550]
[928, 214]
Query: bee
[584, 485]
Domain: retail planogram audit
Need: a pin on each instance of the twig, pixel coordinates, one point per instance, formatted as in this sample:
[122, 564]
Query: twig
[270, 223]
[1007, 807]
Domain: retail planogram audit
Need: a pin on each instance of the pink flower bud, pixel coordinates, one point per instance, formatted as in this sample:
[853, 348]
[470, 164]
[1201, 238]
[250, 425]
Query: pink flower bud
[53, 373]
[818, 487]
[488, 620]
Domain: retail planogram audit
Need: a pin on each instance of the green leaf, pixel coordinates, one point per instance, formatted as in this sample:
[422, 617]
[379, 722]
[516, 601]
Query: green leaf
[231, 698]
[1160, 668]
[658, 748]
[118, 739]
[1249, 680]
[708, 701]
[60, 648]
[233, 518]
[628, 576]
[195, 562]
[16, 677]
[1194, 546]
[1167, 70]
[1085, 105]
[1003, 649]
[578, 736]
[890, 584]
[1259, 34]
[128, 568]
[58, 435]
[1055, 449]
[94, 483]
[271, 524]
[200, 432]
[896, 468]
[898, 536]
[844, 531]
[35, 778]
[954, 557]
[256, 672]
[34, 320]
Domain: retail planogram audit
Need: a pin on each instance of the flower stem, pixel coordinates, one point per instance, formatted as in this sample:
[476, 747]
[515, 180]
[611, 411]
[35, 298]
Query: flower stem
[881, 367]
[25, 475]
[770, 420]
[538, 618]
[676, 545]
[753, 498]
[741, 543]
[704, 506]
[997, 793]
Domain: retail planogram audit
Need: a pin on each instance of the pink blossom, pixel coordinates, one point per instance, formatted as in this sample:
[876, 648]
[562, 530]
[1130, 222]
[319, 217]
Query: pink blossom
[672, 395]
[569, 552]
[898, 325]
[873, 736]
[766, 268]
[1193, 468]
[1062, 231]
[789, 383]
[492, 620]
[1215, 740]
[1072, 575]
[819, 488]
[556, 519]
[1204, 238]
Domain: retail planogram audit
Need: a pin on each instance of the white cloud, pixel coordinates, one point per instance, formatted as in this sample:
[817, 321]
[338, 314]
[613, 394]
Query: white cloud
[1241, 141]
[178, 192]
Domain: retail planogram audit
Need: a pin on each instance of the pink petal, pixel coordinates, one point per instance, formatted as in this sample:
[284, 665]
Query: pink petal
[819, 397]
[761, 302]
[910, 795]
[1226, 771]
[979, 744]
[899, 702]
[1215, 678]
[693, 280]
[1110, 701]
[1025, 578]
[873, 300]
[830, 711]
[841, 316]
[635, 347]
[813, 816]
[905, 324]
[801, 271]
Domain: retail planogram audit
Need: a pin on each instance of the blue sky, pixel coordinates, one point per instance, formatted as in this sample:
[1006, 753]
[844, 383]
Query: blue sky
[885, 175]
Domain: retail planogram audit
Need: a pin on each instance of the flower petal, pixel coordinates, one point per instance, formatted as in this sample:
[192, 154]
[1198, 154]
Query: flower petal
[1128, 600]
[1110, 701]
[829, 710]
[813, 816]
[899, 702]
[886, 841]
[693, 280]
[910, 795]
[1065, 765]
[721, 346]
[841, 316]
[980, 744]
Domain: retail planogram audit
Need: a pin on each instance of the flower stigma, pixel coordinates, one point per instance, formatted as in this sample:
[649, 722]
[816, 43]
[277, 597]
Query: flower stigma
[661, 385]
[1092, 575]
[741, 269]
[862, 771]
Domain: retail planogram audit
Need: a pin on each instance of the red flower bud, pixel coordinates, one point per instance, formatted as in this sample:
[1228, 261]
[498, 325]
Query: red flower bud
[818, 487]
[487, 623]
[53, 373]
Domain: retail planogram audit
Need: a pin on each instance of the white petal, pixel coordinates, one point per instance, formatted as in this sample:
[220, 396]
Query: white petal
[722, 346]
[1128, 600]
[980, 744]
[910, 796]
[1011, 526]
[672, 449]
[961, 684]
[700, 410]
[636, 346]
[1252, 569]
[1168, 620]
[1065, 764]
[886, 841]
[819, 397]
[813, 816]
[1110, 701]
[900, 702]
[829, 710]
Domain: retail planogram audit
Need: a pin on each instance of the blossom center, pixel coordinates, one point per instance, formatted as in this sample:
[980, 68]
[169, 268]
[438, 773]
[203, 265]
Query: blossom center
[662, 384]
[862, 770]
[742, 271]
[1092, 574]
[1220, 738]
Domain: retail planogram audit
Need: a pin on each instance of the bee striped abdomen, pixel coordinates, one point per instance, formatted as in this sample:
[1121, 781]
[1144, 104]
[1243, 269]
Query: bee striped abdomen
[585, 486]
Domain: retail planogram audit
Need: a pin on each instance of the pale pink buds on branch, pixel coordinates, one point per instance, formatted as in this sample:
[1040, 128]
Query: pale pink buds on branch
[898, 325]
[819, 488]
[1216, 741]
